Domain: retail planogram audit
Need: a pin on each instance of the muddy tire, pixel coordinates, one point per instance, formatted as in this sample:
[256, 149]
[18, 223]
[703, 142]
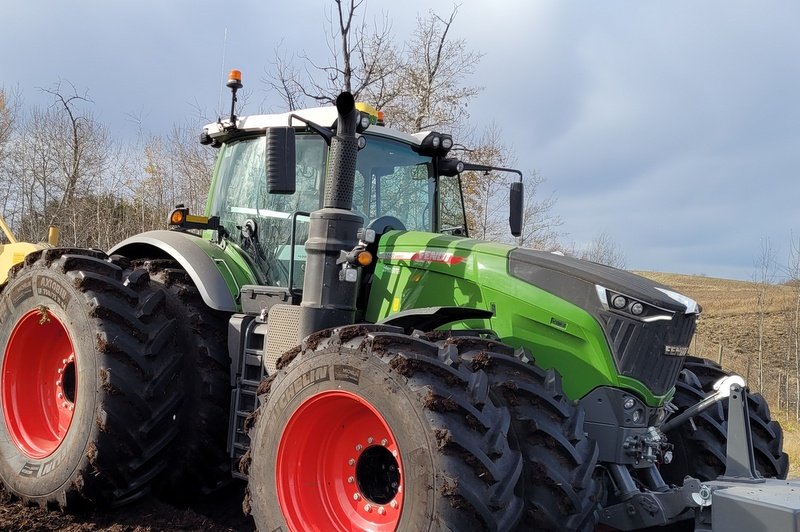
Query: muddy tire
[372, 429]
[701, 443]
[201, 461]
[559, 488]
[88, 405]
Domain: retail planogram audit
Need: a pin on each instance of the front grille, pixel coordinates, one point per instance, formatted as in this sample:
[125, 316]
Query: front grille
[639, 348]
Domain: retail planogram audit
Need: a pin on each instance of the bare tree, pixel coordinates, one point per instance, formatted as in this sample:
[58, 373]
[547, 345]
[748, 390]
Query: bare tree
[604, 250]
[432, 93]
[361, 58]
[794, 339]
[59, 157]
[9, 108]
[9, 111]
[540, 225]
[763, 276]
[486, 193]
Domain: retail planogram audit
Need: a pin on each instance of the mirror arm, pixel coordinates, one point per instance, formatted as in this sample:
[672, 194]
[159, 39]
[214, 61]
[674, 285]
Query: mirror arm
[324, 132]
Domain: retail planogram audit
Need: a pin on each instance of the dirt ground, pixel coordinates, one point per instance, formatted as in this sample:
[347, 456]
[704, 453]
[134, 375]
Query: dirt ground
[222, 513]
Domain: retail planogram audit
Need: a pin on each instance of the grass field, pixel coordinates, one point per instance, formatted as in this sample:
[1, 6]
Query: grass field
[730, 320]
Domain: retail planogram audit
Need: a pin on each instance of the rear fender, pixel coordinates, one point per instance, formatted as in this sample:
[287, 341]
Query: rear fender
[217, 276]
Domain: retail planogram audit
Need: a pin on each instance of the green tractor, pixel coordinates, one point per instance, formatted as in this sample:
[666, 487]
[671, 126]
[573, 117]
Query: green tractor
[328, 331]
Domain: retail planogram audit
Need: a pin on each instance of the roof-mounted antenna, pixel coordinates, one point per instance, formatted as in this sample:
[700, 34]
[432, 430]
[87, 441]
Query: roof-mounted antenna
[222, 71]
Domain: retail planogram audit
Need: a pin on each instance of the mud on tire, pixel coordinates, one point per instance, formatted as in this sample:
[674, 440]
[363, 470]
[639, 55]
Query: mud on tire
[560, 491]
[701, 443]
[88, 403]
[200, 460]
[365, 422]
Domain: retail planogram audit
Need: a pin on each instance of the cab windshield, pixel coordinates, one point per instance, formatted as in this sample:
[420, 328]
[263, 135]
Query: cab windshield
[391, 180]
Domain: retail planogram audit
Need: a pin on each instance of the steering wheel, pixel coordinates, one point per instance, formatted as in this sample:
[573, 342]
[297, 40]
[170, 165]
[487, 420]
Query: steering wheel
[382, 224]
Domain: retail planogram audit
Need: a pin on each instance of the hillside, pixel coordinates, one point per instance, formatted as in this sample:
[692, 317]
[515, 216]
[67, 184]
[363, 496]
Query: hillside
[728, 326]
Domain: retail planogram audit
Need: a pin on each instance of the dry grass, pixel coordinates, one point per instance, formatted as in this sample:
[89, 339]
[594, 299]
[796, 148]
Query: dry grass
[791, 444]
[729, 319]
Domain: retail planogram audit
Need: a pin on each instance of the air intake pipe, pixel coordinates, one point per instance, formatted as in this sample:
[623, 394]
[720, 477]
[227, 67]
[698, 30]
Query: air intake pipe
[328, 299]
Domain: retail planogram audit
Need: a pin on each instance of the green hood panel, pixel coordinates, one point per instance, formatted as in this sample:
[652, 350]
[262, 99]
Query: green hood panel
[417, 269]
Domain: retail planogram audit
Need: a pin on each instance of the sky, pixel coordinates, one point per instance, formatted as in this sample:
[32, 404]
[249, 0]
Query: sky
[672, 126]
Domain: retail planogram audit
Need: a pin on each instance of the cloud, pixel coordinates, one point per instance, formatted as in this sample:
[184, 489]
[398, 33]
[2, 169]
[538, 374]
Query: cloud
[672, 126]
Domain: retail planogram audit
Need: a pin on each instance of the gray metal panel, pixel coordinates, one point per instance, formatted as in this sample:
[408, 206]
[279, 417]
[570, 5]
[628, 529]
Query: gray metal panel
[773, 506]
[183, 248]
[283, 333]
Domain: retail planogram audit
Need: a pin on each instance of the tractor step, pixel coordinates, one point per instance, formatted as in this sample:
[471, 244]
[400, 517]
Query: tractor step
[247, 340]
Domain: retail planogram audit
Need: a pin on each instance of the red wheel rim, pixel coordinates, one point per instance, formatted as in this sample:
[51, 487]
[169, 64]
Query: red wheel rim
[39, 383]
[338, 466]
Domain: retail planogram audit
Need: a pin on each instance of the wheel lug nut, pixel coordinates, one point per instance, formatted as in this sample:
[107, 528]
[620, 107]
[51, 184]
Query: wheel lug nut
[60, 371]
[71, 407]
[384, 442]
[64, 404]
[351, 462]
[381, 510]
[350, 480]
[359, 447]
[58, 383]
[393, 504]
[370, 440]
[356, 496]
[367, 507]
[61, 396]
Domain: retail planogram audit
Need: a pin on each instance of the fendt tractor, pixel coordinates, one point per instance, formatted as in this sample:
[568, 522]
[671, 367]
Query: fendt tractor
[328, 331]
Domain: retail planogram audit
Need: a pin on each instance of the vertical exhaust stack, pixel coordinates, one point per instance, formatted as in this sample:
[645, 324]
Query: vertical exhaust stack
[343, 154]
[328, 300]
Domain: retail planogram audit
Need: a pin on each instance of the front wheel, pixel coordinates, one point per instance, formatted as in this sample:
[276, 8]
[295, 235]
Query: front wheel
[701, 443]
[375, 430]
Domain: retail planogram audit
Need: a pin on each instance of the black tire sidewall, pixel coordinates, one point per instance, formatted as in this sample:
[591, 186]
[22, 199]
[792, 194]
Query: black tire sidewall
[33, 478]
[386, 391]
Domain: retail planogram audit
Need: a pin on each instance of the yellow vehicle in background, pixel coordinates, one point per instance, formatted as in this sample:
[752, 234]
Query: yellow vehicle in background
[14, 252]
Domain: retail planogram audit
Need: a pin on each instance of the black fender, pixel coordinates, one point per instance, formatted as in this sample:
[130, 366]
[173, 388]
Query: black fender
[204, 261]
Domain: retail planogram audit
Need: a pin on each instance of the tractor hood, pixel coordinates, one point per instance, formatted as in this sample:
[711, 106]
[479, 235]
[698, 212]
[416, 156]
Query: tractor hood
[589, 284]
[597, 325]
[647, 325]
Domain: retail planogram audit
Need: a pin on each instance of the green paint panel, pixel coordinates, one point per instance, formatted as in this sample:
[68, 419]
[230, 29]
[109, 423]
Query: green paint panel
[230, 264]
[417, 269]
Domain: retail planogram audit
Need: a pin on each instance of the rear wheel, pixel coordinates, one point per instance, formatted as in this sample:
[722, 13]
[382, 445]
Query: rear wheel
[88, 406]
[201, 461]
[370, 429]
[701, 443]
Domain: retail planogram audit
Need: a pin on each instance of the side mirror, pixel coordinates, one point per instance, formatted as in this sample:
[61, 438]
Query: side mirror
[280, 161]
[517, 200]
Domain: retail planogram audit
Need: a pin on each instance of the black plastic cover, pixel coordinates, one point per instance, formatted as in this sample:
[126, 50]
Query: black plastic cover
[280, 160]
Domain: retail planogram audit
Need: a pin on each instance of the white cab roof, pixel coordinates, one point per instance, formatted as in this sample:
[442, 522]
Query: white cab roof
[323, 116]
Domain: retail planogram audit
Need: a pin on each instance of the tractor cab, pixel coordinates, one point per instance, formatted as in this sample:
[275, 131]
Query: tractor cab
[396, 176]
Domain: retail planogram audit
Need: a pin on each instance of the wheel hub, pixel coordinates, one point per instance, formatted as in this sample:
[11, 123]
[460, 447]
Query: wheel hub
[39, 383]
[339, 466]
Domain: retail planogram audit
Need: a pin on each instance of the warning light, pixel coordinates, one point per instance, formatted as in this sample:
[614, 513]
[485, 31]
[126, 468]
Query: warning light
[177, 217]
[235, 79]
[364, 258]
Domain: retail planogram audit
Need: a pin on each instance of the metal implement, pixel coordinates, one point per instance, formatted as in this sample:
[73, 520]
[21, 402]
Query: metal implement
[723, 389]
